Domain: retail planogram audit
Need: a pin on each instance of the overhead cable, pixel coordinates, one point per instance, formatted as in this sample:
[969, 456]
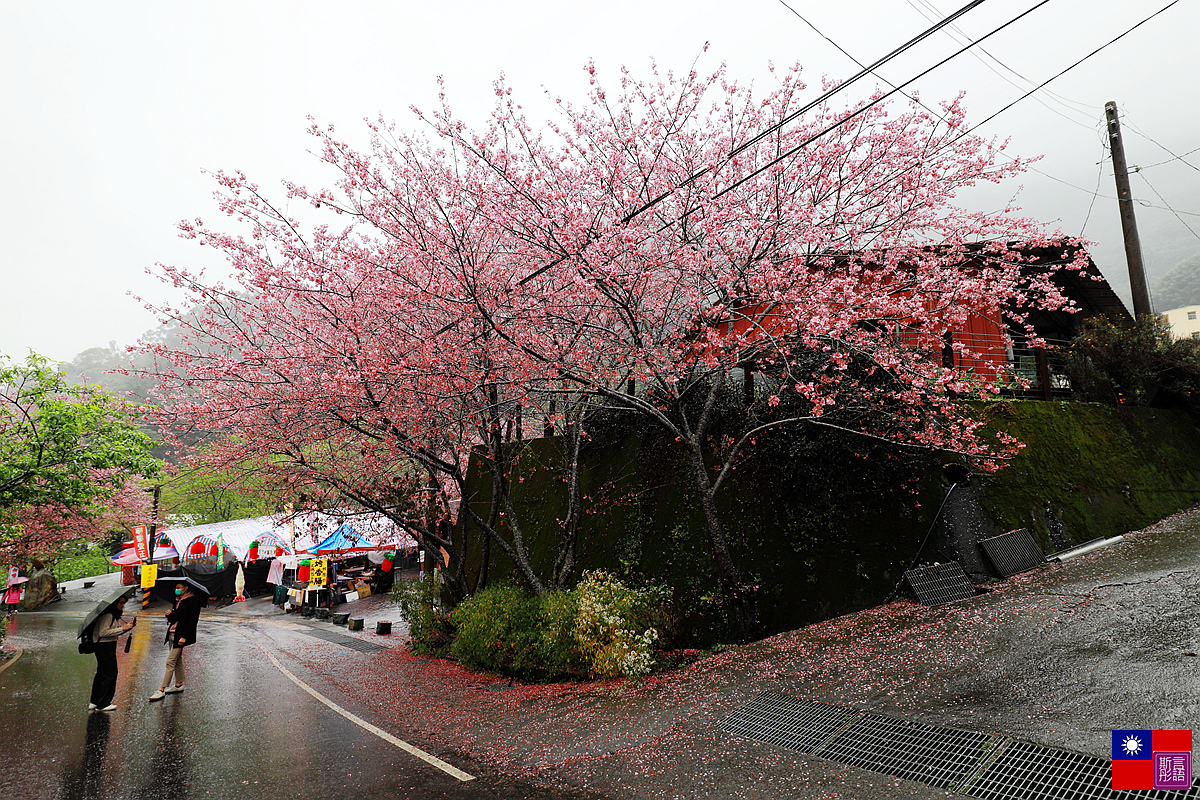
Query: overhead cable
[1071, 105]
[1094, 193]
[879, 100]
[1168, 205]
[810, 106]
[1133, 126]
[1109, 43]
[1176, 158]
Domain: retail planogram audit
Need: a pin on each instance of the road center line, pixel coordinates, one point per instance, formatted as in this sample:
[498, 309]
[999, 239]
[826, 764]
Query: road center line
[362, 723]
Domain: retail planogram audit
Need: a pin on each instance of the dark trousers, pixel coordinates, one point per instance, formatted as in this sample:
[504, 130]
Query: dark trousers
[104, 685]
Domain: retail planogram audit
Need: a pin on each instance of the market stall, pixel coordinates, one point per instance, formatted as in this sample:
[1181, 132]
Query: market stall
[357, 549]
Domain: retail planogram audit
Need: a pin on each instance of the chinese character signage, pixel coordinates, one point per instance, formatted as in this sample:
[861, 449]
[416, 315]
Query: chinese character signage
[149, 576]
[318, 574]
[1151, 759]
[141, 542]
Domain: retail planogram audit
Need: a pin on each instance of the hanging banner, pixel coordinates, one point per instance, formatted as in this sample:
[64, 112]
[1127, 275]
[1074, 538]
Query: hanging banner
[141, 542]
[149, 575]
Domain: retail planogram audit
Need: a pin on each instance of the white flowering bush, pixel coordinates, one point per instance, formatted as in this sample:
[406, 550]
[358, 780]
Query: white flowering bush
[616, 627]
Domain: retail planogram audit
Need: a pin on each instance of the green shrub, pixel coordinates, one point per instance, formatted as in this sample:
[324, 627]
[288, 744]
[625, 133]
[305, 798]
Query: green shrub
[498, 629]
[504, 629]
[1141, 365]
[558, 651]
[429, 627]
[600, 629]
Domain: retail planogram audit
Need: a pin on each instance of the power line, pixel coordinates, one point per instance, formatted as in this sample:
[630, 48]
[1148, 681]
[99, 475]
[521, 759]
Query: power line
[870, 105]
[1168, 205]
[846, 53]
[1085, 108]
[1095, 194]
[963, 36]
[1107, 44]
[1169, 160]
[1161, 146]
[810, 106]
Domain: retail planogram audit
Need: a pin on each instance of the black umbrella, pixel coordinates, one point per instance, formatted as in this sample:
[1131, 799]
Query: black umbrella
[101, 607]
[165, 587]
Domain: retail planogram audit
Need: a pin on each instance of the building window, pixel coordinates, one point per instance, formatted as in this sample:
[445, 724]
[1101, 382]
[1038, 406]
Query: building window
[1191, 315]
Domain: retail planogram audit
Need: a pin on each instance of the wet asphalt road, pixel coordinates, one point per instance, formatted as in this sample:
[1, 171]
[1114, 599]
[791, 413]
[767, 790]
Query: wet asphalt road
[1056, 657]
[241, 729]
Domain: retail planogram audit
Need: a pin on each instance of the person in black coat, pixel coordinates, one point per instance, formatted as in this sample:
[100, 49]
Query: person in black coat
[182, 632]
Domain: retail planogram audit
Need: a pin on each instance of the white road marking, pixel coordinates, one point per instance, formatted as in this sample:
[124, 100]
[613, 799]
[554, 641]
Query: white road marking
[362, 723]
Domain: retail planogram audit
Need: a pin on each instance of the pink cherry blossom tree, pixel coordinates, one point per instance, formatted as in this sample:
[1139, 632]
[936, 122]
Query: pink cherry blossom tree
[649, 251]
[362, 369]
[677, 237]
[42, 529]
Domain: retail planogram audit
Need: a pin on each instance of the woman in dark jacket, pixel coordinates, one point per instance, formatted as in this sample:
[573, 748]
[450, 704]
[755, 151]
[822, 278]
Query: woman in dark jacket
[183, 619]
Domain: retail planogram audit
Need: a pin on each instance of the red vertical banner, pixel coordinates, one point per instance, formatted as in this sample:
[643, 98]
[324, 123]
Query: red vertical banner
[141, 542]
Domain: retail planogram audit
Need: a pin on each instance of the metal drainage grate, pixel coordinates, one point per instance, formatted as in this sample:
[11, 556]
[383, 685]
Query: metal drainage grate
[799, 725]
[345, 641]
[1033, 772]
[1013, 552]
[941, 757]
[940, 584]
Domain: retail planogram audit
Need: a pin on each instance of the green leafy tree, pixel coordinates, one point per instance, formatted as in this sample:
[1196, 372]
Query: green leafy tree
[1141, 365]
[199, 495]
[68, 454]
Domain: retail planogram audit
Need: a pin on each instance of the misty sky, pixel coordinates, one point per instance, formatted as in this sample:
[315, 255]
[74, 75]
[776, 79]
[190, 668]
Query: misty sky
[113, 111]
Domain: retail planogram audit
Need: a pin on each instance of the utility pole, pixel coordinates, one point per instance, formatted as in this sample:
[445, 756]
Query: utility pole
[1133, 245]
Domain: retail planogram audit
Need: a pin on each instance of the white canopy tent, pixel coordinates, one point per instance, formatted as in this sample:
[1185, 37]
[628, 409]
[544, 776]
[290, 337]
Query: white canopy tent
[296, 533]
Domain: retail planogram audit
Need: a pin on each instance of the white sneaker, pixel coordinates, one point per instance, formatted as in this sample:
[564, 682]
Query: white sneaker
[172, 689]
[92, 706]
[159, 695]
[109, 708]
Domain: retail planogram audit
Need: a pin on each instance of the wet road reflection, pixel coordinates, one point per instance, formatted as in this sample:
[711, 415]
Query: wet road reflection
[84, 777]
[239, 729]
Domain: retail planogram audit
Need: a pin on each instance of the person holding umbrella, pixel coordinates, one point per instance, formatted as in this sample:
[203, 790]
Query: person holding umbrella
[106, 627]
[190, 597]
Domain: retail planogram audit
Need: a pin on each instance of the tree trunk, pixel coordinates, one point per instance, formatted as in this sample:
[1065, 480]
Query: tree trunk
[564, 564]
[739, 597]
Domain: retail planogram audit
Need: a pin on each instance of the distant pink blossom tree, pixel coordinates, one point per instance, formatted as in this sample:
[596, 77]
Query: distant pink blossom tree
[44, 528]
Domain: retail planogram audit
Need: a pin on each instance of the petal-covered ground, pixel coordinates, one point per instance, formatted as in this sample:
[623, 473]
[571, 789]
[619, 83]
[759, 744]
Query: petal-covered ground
[1059, 656]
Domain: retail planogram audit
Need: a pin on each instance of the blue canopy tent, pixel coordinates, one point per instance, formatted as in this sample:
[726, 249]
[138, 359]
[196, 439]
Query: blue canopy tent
[348, 539]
